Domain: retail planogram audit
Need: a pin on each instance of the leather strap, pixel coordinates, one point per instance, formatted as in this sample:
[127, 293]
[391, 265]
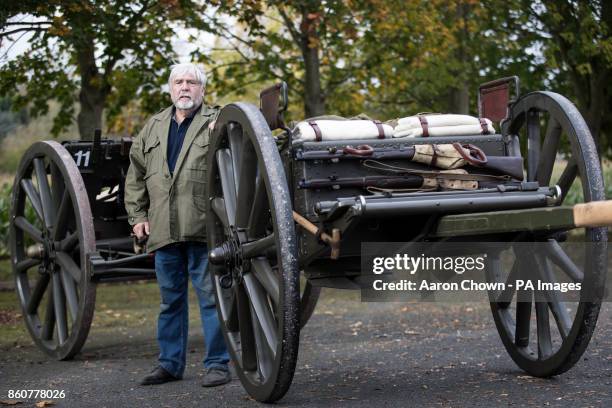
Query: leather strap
[434, 156]
[381, 130]
[424, 125]
[475, 156]
[483, 125]
[317, 130]
[388, 168]
[361, 150]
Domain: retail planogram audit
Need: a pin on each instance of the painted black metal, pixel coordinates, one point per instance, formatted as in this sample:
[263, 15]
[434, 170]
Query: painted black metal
[389, 207]
[305, 200]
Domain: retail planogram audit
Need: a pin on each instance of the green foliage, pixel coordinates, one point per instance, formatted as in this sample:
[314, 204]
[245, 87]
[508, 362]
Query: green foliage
[387, 58]
[575, 43]
[10, 119]
[6, 191]
[5, 203]
[101, 54]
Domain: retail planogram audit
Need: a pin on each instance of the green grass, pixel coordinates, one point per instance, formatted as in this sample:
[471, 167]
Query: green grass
[128, 305]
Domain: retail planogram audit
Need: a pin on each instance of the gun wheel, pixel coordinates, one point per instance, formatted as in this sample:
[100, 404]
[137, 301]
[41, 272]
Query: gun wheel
[253, 252]
[51, 233]
[544, 334]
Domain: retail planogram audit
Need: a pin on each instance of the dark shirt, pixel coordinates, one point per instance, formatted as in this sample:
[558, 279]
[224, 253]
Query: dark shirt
[176, 136]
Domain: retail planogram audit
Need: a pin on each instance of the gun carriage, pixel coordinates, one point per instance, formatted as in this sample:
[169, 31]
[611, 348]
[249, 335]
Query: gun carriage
[282, 206]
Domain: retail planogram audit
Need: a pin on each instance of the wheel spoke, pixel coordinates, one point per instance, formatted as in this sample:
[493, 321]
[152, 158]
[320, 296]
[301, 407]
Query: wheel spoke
[567, 178]
[246, 183]
[505, 298]
[258, 217]
[37, 293]
[28, 228]
[45, 192]
[57, 185]
[68, 264]
[234, 136]
[533, 143]
[26, 264]
[543, 328]
[63, 215]
[70, 292]
[259, 247]
[49, 323]
[218, 207]
[523, 318]
[70, 242]
[247, 339]
[228, 185]
[265, 355]
[59, 302]
[555, 304]
[563, 261]
[232, 322]
[32, 194]
[266, 276]
[262, 310]
[548, 155]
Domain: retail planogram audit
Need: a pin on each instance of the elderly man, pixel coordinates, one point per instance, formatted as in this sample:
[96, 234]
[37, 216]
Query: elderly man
[165, 198]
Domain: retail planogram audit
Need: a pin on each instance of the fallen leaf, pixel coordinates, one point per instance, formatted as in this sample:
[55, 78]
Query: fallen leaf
[44, 403]
[10, 402]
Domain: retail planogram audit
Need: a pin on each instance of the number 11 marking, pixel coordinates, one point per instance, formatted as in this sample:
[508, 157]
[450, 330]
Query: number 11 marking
[80, 155]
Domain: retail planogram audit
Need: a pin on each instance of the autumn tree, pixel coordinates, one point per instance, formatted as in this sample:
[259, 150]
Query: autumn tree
[575, 39]
[101, 53]
[386, 57]
[315, 46]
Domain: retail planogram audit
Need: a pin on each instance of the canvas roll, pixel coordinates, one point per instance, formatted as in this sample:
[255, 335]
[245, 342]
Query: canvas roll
[442, 125]
[342, 130]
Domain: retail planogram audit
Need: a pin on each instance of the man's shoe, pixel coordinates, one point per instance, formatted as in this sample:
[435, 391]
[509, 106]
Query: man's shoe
[158, 376]
[216, 376]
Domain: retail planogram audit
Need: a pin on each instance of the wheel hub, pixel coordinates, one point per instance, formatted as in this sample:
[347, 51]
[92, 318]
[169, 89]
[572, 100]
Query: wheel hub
[228, 253]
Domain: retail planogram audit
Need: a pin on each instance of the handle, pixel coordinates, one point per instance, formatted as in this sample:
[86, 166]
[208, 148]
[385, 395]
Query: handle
[593, 214]
[474, 156]
[361, 150]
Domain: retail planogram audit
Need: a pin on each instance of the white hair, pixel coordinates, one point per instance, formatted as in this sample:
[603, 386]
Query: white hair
[187, 68]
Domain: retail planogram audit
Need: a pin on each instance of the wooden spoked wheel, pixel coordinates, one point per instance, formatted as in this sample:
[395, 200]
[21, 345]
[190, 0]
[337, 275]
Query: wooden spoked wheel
[543, 333]
[253, 251]
[51, 233]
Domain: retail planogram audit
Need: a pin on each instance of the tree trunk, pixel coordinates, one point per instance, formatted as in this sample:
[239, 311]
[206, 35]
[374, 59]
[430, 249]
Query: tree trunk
[93, 93]
[460, 100]
[314, 102]
[90, 115]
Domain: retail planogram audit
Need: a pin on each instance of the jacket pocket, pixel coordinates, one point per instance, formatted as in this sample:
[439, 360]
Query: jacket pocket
[152, 154]
[201, 140]
[197, 159]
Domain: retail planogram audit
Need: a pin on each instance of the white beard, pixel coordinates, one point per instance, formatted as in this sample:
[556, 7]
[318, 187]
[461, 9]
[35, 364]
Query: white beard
[184, 105]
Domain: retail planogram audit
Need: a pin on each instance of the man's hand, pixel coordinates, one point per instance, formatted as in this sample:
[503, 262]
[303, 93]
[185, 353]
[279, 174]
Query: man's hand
[141, 229]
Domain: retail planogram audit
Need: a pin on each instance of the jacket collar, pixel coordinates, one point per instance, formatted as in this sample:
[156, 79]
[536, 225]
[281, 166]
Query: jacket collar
[164, 118]
[167, 113]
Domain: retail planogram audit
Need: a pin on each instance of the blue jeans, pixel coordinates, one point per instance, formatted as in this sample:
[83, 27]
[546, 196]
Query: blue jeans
[173, 264]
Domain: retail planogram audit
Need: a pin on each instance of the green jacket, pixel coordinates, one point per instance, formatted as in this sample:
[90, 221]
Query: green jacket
[174, 206]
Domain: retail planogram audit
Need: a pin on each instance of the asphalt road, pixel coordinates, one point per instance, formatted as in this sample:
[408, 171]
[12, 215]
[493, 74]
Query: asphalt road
[351, 354]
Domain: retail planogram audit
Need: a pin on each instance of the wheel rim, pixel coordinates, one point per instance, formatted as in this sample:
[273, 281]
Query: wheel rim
[561, 331]
[51, 233]
[252, 239]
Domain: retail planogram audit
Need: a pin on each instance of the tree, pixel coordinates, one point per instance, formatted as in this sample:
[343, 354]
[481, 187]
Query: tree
[315, 46]
[106, 53]
[386, 57]
[576, 39]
